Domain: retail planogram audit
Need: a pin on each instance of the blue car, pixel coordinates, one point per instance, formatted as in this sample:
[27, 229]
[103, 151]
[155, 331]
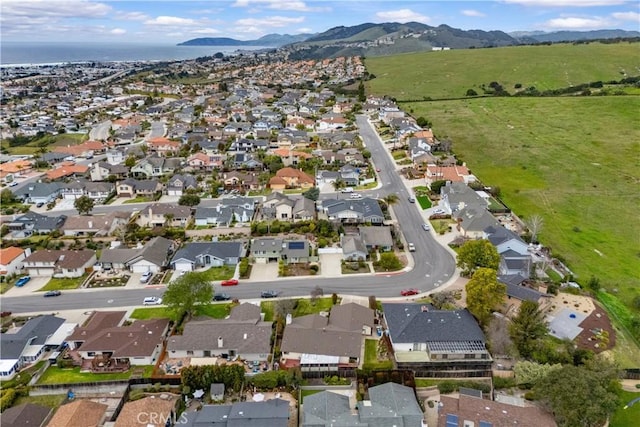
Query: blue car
[22, 281]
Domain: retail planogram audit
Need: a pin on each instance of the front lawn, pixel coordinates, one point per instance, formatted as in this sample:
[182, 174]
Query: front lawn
[305, 306]
[215, 310]
[266, 307]
[625, 417]
[6, 285]
[425, 202]
[138, 200]
[150, 313]
[59, 284]
[55, 375]
[217, 273]
[371, 360]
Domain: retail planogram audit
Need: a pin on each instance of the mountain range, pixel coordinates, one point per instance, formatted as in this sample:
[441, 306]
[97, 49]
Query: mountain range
[392, 38]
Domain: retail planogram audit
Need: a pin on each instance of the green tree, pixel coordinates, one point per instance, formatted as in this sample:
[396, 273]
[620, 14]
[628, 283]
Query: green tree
[312, 194]
[361, 94]
[527, 328]
[130, 161]
[84, 205]
[186, 292]
[475, 254]
[389, 262]
[581, 396]
[437, 185]
[484, 293]
[530, 373]
[6, 197]
[189, 200]
[391, 199]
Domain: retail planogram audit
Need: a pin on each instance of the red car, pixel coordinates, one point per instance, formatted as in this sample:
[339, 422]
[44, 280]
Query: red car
[409, 292]
[230, 282]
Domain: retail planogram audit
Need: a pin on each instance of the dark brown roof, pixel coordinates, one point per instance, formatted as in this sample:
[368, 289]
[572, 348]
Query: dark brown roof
[62, 258]
[99, 321]
[499, 414]
[136, 340]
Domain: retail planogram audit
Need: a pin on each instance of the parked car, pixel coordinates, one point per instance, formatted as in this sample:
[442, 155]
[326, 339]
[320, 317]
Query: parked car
[39, 204]
[221, 297]
[426, 227]
[146, 276]
[152, 301]
[230, 282]
[23, 281]
[439, 211]
[13, 183]
[52, 293]
[412, 199]
[347, 190]
[409, 292]
[269, 294]
[412, 247]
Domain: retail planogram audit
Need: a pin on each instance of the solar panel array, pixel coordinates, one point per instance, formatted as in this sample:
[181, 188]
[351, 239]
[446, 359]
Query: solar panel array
[296, 245]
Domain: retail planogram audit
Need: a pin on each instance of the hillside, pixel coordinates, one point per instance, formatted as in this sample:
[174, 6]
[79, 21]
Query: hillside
[572, 160]
[270, 40]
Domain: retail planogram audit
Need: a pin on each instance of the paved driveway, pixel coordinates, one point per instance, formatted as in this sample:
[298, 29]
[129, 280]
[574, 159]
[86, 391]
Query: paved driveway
[31, 286]
[264, 272]
[330, 265]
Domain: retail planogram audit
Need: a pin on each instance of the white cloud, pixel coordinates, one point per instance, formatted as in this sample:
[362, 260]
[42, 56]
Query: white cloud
[402, 16]
[577, 23]
[563, 3]
[131, 16]
[627, 16]
[270, 22]
[303, 31]
[471, 12]
[293, 5]
[21, 9]
[118, 31]
[169, 20]
[206, 31]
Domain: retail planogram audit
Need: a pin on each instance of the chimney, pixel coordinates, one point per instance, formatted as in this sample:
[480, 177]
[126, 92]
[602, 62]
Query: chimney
[219, 342]
[90, 224]
[245, 336]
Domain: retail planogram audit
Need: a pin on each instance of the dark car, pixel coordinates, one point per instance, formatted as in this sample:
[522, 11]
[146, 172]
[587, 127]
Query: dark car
[221, 297]
[52, 293]
[409, 292]
[230, 282]
[269, 294]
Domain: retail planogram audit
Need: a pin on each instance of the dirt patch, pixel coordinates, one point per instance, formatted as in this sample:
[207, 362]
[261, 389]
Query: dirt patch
[598, 334]
[579, 303]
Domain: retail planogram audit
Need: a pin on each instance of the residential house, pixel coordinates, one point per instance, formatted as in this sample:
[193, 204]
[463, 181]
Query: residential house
[353, 247]
[135, 188]
[291, 157]
[517, 291]
[153, 257]
[107, 340]
[291, 178]
[222, 216]
[66, 171]
[79, 413]
[33, 222]
[86, 150]
[470, 410]
[389, 404]
[350, 211]
[455, 196]
[26, 344]
[11, 260]
[198, 255]
[515, 258]
[376, 238]
[95, 225]
[154, 166]
[437, 343]
[60, 263]
[453, 173]
[16, 168]
[161, 214]
[206, 162]
[330, 122]
[97, 191]
[473, 220]
[272, 250]
[319, 343]
[101, 171]
[243, 334]
[242, 160]
[39, 192]
[163, 146]
[281, 207]
[179, 184]
[271, 413]
[243, 181]
[115, 156]
[150, 411]
[25, 414]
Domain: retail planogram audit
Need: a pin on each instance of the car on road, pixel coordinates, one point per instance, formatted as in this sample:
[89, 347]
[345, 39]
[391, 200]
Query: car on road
[23, 281]
[146, 276]
[39, 204]
[412, 199]
[52, 294]
[426, 227]
[347, 190]
[412, 247]
[409, 292]
[355, 196]
[230, 282]
[221, 297]
[152, 301]
[13, 183]
[377, 169]
[269, 294]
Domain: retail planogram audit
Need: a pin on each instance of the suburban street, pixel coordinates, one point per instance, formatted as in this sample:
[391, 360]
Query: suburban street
[433, 265]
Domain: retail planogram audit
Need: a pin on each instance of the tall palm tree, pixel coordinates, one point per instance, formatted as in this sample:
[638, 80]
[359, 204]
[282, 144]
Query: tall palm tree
[390, 199]
[338, 185]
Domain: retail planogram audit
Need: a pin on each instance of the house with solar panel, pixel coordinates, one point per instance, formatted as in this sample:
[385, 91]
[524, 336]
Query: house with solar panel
[437, 343]
[268, 250]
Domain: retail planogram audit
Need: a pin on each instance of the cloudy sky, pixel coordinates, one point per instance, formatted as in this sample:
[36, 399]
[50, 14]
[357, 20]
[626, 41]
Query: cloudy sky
[168, 22]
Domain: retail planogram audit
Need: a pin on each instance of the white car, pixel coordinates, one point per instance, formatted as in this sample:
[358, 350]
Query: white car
[146, 277]
[13, 183]
[412, 247]
[152, 301]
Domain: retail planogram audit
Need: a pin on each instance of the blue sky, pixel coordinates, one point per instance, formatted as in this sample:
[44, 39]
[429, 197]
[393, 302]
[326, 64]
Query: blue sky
[169, 22]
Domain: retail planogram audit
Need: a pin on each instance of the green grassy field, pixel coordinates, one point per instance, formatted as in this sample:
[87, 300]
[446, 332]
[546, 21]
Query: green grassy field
[60, 140]
[572, 160]
[624, 417]
[448, 74]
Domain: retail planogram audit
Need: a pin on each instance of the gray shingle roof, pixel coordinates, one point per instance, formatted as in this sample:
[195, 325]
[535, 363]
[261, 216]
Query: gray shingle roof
[389, 402]
[270, 413]
[26, 414]
[221, 250]
[327, 408]
[41, 327]
[409, 323]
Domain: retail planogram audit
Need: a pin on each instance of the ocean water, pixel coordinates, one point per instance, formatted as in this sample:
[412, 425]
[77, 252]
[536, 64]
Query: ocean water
[30, 53]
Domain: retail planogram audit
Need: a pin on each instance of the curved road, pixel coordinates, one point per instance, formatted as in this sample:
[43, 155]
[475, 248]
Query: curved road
[433, 264]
